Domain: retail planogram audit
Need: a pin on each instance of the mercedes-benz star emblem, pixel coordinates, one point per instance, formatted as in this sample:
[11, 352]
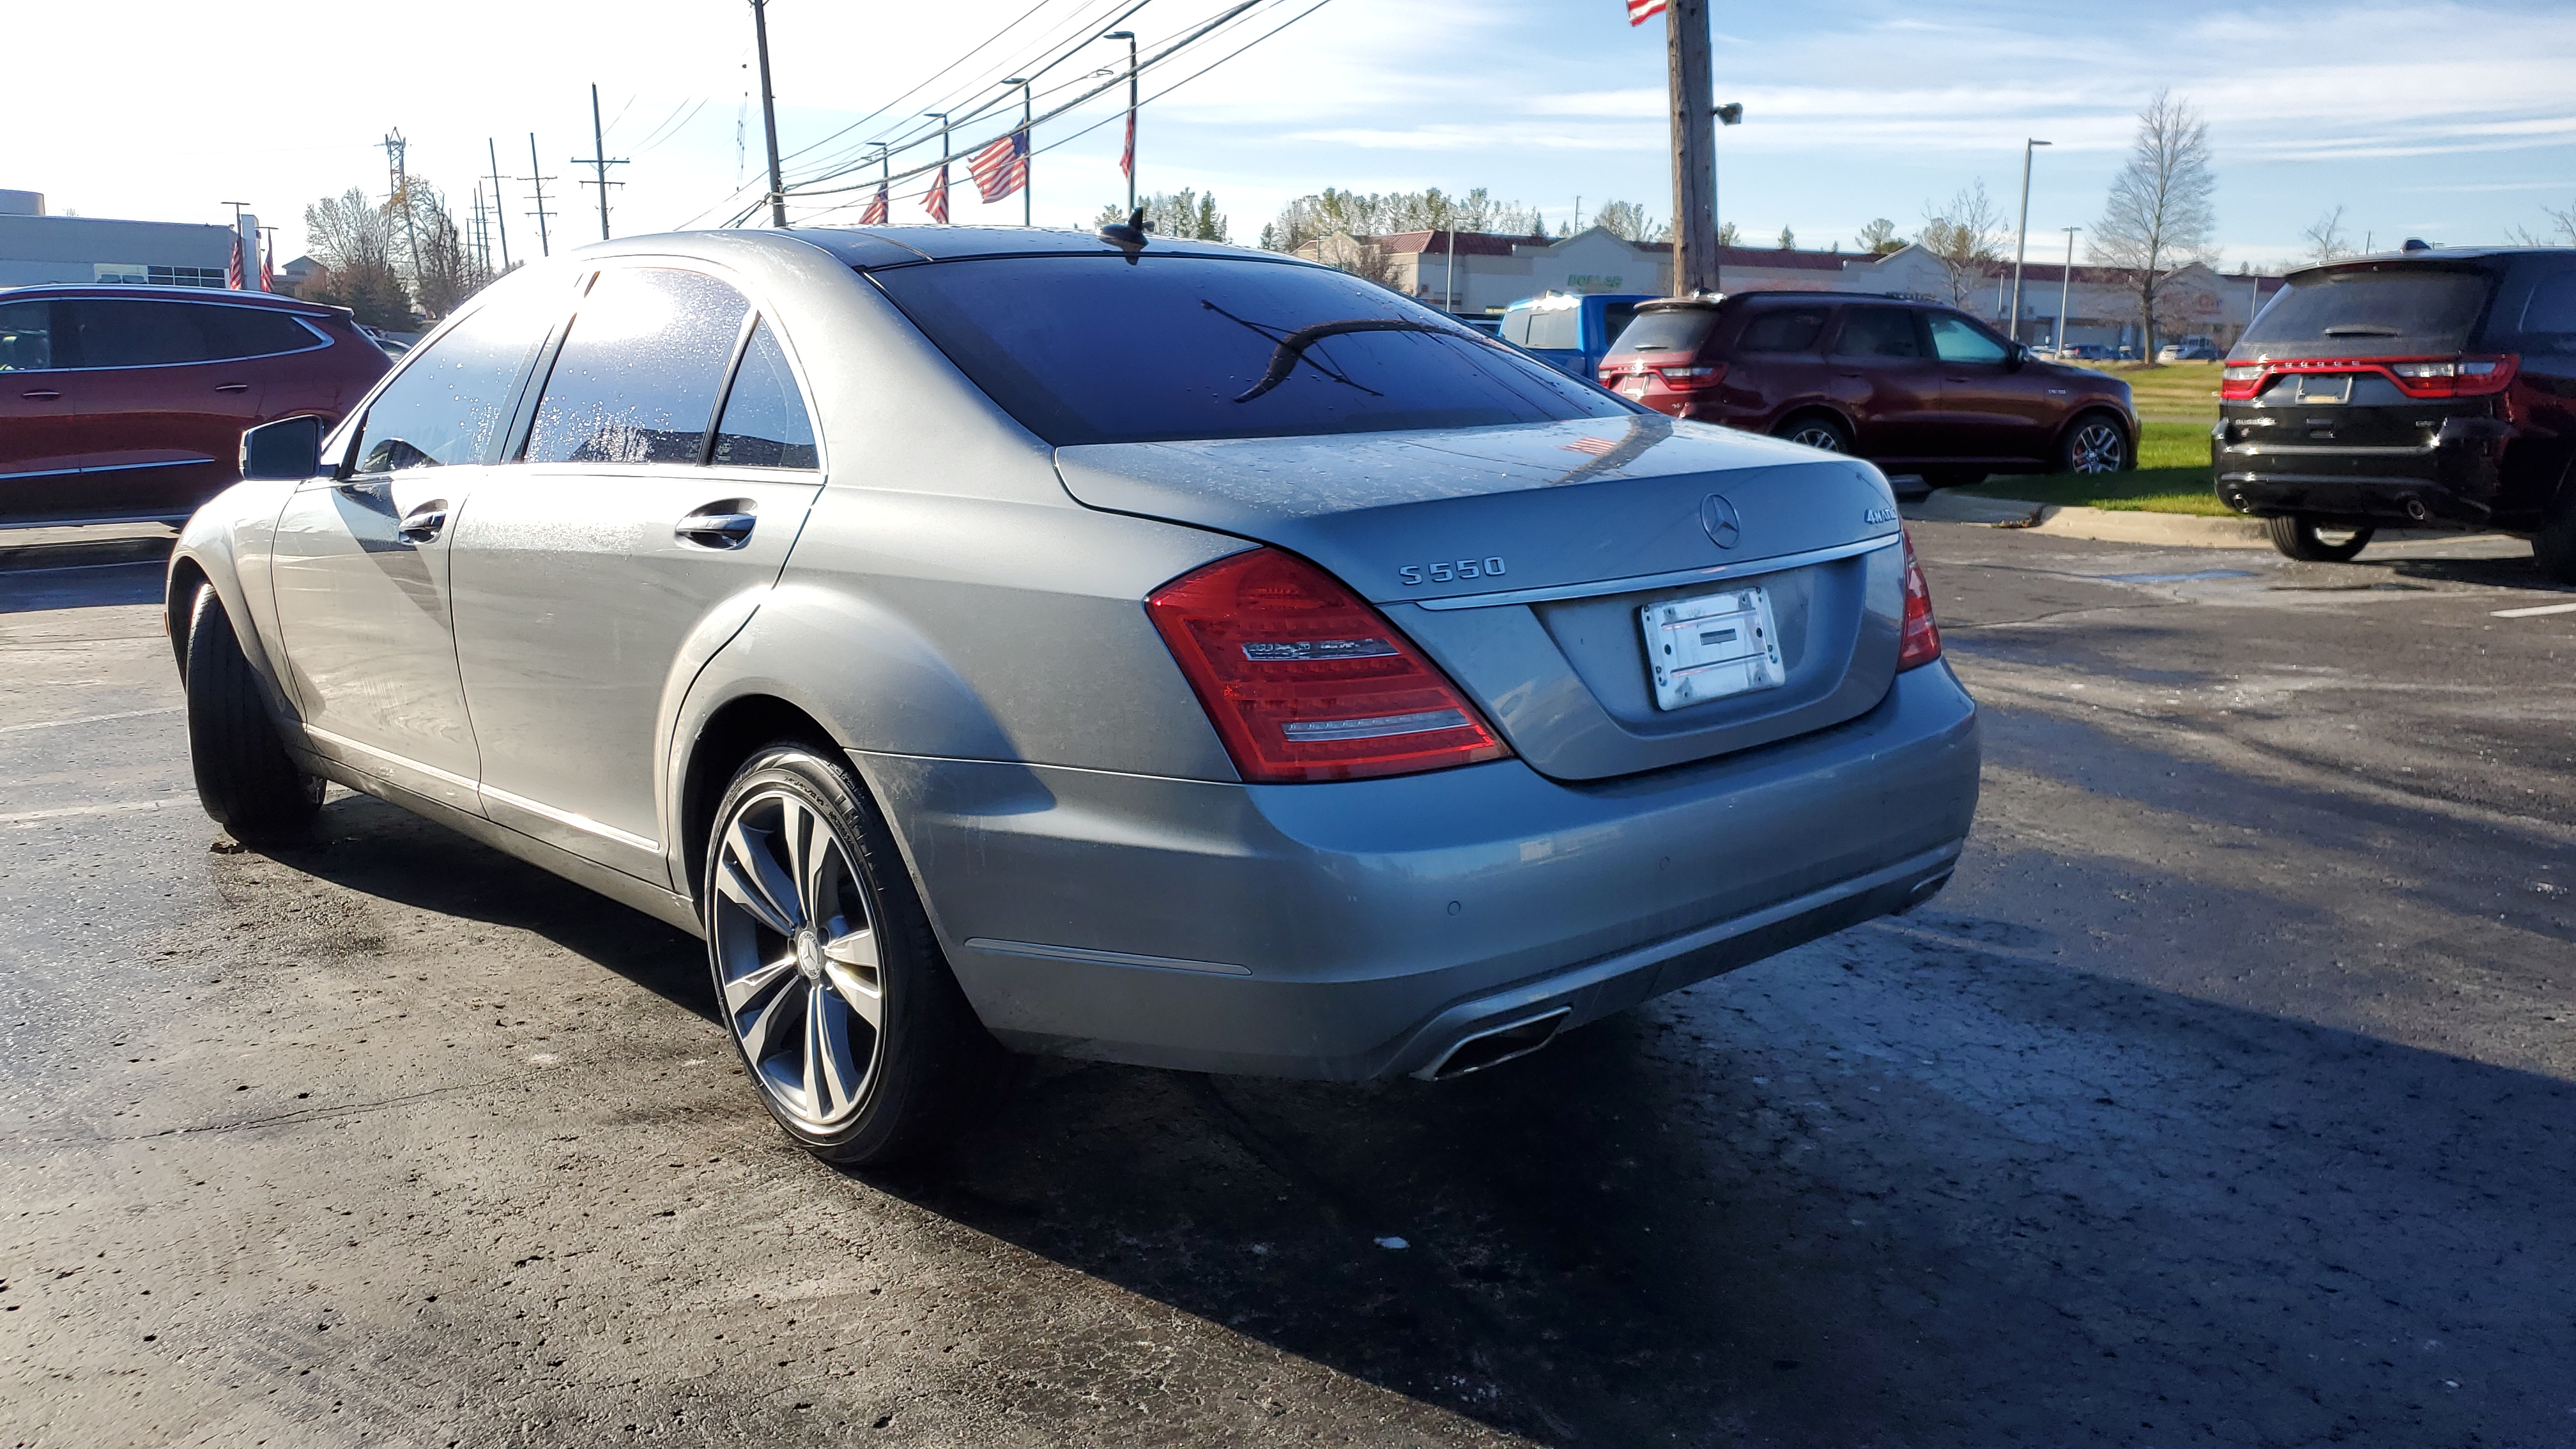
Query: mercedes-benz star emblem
[1719, 517]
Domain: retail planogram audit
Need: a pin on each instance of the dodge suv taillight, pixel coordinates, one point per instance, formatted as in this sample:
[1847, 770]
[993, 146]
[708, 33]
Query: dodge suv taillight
[1919, 642]
[2417, 377]
[1305, 681]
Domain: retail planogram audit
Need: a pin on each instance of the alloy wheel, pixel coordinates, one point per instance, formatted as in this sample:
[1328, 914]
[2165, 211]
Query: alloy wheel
[2098, 447]
[797, 959]
[1817, 435]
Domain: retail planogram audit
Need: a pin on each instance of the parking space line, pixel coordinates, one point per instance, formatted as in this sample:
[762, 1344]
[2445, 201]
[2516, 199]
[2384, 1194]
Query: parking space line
[2528, 613]
[31, 817]
[56, 724]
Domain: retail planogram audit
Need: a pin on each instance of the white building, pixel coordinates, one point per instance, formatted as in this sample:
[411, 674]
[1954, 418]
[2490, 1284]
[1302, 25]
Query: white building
[35, 247]
[1492, 272]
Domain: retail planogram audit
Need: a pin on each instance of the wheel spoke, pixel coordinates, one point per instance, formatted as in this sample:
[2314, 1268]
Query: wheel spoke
[831, 1068]
[863, 992]
[743, 990]
[796, 827]
[762, 1037]
[750, 878]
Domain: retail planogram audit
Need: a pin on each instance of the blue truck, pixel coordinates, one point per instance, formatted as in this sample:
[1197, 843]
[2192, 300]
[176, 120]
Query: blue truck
[1571, 334]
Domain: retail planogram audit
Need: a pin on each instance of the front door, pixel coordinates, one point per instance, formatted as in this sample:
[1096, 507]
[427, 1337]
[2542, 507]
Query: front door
[1991, 407]
[1883, 372]
[629, 542]
[363, 559]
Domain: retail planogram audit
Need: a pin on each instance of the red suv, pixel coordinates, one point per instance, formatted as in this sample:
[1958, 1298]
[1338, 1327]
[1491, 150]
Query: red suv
[122, 403]
[1912, 387]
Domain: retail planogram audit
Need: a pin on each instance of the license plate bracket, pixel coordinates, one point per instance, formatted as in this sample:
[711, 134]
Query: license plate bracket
[1711, 646]
[2330, 387]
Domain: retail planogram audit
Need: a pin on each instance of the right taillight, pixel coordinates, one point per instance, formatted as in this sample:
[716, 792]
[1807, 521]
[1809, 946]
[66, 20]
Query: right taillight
[1305, 681]
[1919, 642]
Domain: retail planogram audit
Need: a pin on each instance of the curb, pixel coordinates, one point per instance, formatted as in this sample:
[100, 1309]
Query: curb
[2104, 524]
[86, 546]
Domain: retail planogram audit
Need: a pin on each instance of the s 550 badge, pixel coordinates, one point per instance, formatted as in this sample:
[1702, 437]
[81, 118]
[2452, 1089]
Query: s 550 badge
[1451, 571]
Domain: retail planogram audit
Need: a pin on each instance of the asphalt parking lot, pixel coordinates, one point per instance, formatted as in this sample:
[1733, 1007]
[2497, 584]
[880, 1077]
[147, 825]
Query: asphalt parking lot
[2228, 1096]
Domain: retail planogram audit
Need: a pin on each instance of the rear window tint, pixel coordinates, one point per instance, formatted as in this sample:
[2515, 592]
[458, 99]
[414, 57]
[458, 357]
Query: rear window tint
[2549, 318]
[255, 332]
[1783, 330]
[1682, 329]
[1093, 350]
[1557, 331]
[2389, 311]
[26, 336]
[1878, 332]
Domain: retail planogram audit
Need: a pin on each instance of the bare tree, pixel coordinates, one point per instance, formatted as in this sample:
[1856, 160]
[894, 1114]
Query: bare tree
[2158, 218]
[353, 239]
[1312, 218]
[1728, 235]
[2326, 239]
[2562, 233]
[1788, 240]
[1966, 237]
[448, 271]
[1628, 221]
[1879, 238]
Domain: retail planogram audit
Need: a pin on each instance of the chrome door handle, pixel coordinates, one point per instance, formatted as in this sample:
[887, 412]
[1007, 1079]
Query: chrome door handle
[233, 387]
[715, 530]
[423, 524]
[42, 394]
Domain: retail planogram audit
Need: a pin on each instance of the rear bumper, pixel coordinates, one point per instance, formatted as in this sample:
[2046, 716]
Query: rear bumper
[1362, 930]
[2454, 478]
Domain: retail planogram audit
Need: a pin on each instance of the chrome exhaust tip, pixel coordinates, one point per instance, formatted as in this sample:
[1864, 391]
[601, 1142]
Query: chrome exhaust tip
[1496, 1044]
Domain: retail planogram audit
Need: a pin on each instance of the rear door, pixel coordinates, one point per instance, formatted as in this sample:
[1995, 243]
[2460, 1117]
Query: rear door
[164, 404]
[1888, 381]
[1779, 358]
[1989, 407]
[632, 537]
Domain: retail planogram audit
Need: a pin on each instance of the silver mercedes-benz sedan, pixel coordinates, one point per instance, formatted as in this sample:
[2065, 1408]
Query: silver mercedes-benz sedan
[1010, 640]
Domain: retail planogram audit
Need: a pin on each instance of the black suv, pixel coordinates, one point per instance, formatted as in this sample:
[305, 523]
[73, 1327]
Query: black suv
[2433, 389]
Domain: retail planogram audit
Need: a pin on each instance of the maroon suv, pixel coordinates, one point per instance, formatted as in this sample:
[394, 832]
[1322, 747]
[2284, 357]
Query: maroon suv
[127, 403]
[1913, 387]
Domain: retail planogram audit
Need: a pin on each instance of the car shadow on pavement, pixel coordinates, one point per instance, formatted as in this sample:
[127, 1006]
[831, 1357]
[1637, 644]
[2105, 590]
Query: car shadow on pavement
[371, 847]
[2101, 1213]
[2499, 573]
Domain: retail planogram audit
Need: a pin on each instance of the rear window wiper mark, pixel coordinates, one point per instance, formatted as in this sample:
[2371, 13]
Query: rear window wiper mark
[1291, 348]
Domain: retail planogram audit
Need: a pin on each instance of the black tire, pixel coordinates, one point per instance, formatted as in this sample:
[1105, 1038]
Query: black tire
[2296, 536]
[1816, 430]
[2096, 443]
[796, 823]
[2554, 546]
[245, 778]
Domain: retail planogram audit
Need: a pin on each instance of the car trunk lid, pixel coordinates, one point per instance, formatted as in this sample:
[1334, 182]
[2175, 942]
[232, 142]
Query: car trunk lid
[1522, 558]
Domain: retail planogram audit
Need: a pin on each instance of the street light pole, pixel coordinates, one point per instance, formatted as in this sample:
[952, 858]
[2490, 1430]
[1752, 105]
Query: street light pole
[768, 117]
[2065, 288]
[2021, 242]
[1129, 36]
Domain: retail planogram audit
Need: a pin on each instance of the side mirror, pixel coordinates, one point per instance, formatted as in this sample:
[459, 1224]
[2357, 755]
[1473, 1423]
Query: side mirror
[289, 449]
[2014, 358]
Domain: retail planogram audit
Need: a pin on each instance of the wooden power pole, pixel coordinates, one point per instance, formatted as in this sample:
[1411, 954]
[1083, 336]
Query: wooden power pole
[1694, 148]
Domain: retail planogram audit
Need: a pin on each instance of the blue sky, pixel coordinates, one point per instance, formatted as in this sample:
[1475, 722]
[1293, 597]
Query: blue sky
[2450, 121]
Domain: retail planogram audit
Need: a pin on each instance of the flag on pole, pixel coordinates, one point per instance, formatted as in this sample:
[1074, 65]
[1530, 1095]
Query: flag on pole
[875, 215]
[1003, 167]
[233, 271]
[1127, 158]
[268, 268]
[936, 203]
[1641, 11]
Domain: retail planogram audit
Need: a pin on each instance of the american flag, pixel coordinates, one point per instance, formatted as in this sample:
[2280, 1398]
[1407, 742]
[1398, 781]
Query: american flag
[1127, 158]
[875, 215]
[268, 268]
[1002, 167]
[1641, 11]
[233, 271]
[936, 203]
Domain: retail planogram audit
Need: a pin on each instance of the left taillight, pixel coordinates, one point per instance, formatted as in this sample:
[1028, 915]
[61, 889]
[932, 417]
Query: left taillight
[1305, 681]
[1684, 379]
[1919, 642]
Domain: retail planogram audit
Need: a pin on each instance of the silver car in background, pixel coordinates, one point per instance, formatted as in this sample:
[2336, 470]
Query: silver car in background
[1008, 640]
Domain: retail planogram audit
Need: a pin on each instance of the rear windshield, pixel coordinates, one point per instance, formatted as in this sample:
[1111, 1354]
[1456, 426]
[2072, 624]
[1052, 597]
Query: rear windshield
[1094, 350]
[2371, 312]
[1682, 329]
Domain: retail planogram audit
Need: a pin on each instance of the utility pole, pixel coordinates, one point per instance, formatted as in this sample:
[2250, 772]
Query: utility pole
[397, 155]
[1127, 159]
[2021, 239]
[474, 229]
[493, 150]
[942, 118]
[600, 160]
[768, 120]
[545, 246]
[1694, 148]
[2065, 289]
